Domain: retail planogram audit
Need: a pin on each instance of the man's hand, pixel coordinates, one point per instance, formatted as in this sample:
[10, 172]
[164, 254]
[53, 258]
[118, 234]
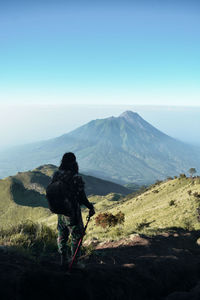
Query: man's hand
[91, 212]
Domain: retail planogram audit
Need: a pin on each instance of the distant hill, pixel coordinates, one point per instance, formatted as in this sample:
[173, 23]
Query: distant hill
[93, 185]
[124, 149]
[22, 196]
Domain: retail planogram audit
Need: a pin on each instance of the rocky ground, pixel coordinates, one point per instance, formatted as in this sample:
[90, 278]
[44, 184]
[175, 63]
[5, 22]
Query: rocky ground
[166, 266]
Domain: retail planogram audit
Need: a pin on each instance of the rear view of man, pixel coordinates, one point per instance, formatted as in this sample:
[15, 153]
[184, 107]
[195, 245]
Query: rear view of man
[71, 222]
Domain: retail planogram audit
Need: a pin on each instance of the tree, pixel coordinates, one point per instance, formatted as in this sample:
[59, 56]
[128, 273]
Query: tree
[192, 171]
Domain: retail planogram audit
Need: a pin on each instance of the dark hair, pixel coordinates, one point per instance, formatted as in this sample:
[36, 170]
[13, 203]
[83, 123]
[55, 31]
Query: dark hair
[68, 162]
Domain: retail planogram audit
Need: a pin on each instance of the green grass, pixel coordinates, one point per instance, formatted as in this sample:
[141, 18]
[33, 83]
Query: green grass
[12, 213]
[34, 238]
[22, 196]
[160, 207]
[151, 212]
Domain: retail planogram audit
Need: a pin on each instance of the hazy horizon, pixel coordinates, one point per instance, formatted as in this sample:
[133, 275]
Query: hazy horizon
[22, 124]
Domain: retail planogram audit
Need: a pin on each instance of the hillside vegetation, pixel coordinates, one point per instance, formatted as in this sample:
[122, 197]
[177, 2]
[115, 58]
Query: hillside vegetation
[157, 248]
[22, 196]
[18, 203]
[163, 206]
[159, 239]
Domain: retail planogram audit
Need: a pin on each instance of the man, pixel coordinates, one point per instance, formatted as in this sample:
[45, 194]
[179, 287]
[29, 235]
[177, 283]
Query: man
[72, 223]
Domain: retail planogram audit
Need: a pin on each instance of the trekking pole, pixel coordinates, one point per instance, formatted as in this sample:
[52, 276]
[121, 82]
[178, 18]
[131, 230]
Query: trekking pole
[79, 243]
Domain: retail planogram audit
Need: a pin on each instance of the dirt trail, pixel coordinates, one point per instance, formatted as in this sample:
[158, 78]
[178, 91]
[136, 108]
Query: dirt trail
[166, 266]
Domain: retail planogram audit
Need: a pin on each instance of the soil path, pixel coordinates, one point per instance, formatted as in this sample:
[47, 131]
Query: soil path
[166, 266]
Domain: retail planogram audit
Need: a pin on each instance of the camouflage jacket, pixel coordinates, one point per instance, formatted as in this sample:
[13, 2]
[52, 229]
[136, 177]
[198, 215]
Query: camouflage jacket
[78, 184]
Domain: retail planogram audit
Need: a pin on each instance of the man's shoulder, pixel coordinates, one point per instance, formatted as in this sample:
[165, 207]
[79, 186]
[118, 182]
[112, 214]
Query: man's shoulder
[78, 180]
[58, 175]
[78, 177]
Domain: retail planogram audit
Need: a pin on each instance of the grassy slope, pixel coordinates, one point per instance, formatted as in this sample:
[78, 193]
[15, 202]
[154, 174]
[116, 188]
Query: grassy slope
[149, 264]
[153, 209]
[147, 213]
[22, 196]
[12, 213]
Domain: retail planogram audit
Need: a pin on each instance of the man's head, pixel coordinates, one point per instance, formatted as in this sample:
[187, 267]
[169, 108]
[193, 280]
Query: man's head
[69, 157]
[68, 162]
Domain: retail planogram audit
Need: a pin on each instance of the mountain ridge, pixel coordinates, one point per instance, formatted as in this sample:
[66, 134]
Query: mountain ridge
[22, 196]
[122, 149]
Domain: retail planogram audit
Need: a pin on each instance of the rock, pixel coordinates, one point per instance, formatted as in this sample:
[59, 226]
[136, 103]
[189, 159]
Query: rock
[133, 236]
[128, 265]
[94, 241]
[175, 235]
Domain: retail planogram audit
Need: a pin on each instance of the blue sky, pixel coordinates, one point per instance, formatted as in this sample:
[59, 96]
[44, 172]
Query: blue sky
[59, 56]
[100, 52]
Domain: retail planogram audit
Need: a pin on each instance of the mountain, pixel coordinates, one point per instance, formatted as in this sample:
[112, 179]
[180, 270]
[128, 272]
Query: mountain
[22, 196]
[93, 185]
[122, 149]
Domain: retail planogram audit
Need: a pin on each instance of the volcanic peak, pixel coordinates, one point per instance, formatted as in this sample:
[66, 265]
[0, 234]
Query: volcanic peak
[129, 114]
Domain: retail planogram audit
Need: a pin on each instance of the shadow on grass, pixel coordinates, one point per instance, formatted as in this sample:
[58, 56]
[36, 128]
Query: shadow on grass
[25, 197]
[148, 268]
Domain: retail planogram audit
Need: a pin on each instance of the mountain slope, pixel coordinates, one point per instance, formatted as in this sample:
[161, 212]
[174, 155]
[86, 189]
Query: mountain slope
[93, 185]
[158, 247]
[23, 196]
[18, 204]
[171, 204]
[123, 149]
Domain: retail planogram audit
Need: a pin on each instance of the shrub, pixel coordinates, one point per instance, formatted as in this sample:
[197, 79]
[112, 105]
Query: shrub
[196, 195]
[158, 182]
[175, 177]
[171, 202]
[120, 217]
[109, 220]
[182, 175]
[142, 225]
[192, 171]
[155, 191]
[189, 192]
[169, 178]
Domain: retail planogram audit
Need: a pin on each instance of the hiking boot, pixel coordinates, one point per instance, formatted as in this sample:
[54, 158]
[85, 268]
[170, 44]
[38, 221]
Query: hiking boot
[64, 261]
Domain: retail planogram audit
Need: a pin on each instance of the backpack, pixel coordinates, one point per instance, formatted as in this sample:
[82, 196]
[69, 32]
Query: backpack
[61, 194]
